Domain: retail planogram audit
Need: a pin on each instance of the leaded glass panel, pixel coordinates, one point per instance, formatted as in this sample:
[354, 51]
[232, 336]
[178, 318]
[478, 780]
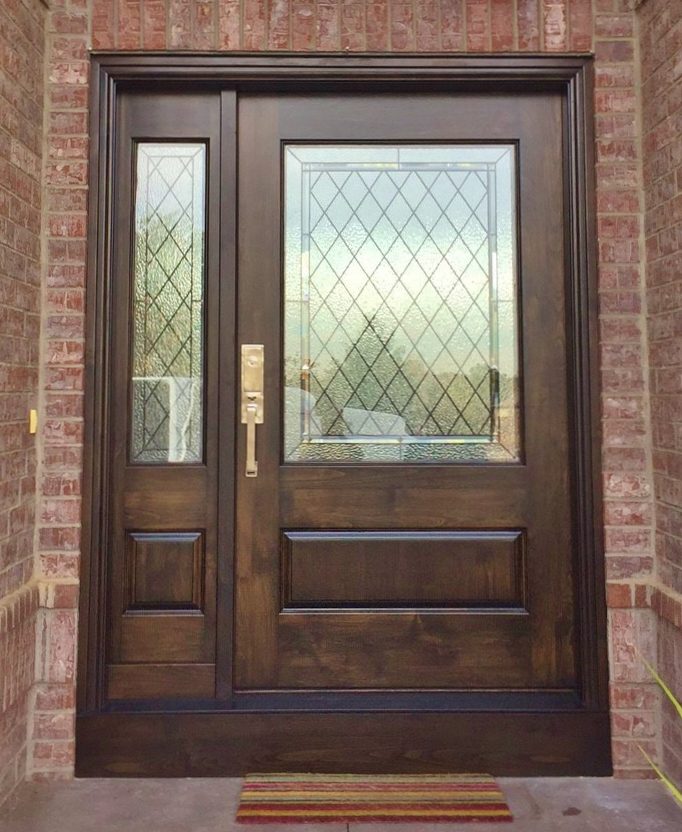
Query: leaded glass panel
[167, 348]
[400, 303]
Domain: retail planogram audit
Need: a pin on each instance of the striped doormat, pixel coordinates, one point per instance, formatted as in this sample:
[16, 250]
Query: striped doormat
[348, 798]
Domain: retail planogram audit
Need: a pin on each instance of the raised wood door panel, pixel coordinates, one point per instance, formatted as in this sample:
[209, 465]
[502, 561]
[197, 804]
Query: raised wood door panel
[341, 640]
[398, 569]
[161, 624]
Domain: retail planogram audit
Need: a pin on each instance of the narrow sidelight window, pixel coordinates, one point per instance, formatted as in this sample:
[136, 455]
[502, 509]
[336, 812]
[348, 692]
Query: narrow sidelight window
[168, 295]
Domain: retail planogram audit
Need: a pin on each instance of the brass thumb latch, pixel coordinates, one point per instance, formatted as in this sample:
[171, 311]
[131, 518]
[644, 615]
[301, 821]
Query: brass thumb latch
[252, 400]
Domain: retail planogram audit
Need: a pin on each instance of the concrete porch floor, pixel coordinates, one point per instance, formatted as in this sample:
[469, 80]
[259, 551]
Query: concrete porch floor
[208, 805]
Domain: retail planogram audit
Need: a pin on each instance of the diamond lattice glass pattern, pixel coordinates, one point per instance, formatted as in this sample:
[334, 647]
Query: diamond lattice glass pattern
[400, 304]
[168, 303]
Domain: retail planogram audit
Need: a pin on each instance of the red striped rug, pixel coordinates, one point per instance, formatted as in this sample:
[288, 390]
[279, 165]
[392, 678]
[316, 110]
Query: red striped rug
[348, 798]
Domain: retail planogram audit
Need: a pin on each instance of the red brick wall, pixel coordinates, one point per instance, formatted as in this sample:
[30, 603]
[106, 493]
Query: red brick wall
[605, 26]
[21, 133]
[661, 56]
[17, 656]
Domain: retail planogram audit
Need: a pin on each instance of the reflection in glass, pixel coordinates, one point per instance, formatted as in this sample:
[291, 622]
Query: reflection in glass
[167, 350]
[400, 303]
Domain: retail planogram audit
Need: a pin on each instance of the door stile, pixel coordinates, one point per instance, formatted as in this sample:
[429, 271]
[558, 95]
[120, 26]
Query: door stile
[258, 323]
[227, 394]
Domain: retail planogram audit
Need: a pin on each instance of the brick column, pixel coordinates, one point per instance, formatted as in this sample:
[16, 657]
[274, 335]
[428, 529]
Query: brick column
[660, 23]
[65, 175]
[627, 432]
[21, 139]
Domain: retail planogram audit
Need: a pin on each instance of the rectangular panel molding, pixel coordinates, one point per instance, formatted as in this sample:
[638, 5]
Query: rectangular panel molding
[165, 570]
[467, 569]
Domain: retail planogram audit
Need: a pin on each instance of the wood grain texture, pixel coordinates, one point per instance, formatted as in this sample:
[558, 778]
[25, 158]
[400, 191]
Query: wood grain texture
[154, 637]
[413, 649]
[165, 570]
[160, 681]
[409, 569]
[229, 744]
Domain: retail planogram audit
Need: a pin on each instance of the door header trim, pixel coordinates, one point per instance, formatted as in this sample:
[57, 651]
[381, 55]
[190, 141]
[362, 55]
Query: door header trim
[314, 65]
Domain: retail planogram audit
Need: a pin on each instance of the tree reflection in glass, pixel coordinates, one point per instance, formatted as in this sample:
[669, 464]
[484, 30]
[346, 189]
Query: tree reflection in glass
[400, 303]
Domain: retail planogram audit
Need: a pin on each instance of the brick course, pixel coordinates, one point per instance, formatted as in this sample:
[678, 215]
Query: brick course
[607, 27]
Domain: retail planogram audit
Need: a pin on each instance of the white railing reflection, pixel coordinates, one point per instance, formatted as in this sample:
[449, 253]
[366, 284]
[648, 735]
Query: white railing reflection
[166, 419]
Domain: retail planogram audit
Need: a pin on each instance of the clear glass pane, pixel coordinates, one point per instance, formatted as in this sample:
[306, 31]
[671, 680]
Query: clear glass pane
[168, 287]
[400, 304]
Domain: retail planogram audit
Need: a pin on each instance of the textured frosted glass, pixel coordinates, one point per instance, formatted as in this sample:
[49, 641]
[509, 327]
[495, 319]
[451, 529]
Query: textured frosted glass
[168, 303]
[400, 304]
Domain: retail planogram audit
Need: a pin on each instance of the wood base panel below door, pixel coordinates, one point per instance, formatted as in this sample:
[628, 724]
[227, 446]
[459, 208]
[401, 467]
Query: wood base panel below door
[232, 744]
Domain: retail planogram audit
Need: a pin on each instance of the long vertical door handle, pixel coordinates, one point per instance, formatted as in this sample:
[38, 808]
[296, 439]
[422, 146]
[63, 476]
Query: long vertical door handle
[252, 405]
[251, 461]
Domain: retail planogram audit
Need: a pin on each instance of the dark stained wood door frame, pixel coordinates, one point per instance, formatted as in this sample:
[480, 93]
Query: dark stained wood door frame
[133, 737]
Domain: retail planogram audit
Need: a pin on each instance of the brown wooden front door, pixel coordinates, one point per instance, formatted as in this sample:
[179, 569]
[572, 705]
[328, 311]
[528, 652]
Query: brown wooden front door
[345, 426]
[409, 527]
